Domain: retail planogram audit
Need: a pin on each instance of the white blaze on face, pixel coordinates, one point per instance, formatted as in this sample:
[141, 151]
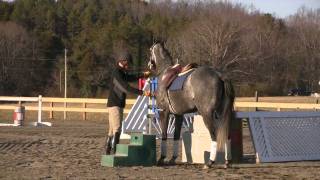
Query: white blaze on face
[153, 58]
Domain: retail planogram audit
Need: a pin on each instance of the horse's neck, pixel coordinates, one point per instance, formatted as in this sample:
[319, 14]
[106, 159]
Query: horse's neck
[166, 64]
[163, 67]
[161, 75]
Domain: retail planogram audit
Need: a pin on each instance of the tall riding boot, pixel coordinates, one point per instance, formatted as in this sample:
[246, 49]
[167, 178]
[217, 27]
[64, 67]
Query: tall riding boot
[108, 144]
[115, 141]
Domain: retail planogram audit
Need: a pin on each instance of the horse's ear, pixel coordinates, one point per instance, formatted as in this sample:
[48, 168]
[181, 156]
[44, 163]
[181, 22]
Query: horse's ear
[159, 41]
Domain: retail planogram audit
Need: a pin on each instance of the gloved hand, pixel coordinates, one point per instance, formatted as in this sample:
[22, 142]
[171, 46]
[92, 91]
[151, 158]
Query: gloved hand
[147, 93]
[146, 74]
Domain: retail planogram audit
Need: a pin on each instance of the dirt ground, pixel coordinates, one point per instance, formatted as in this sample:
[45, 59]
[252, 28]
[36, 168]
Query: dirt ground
[72, 149]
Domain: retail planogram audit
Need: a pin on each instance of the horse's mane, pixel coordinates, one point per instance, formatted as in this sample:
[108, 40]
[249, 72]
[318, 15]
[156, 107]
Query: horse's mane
[166, 54]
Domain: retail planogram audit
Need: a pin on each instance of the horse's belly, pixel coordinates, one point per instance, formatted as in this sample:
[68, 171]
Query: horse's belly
[180, 103]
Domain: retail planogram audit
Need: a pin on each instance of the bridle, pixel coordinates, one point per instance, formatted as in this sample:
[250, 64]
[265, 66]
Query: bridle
[152, 64]
[152, 61]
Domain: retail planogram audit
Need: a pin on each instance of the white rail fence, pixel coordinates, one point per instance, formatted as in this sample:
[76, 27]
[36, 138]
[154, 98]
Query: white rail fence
[272, 126]
[26, 99]
[48, 104]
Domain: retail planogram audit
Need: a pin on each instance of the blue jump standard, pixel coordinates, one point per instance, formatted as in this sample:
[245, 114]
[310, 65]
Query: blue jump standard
[140, 152]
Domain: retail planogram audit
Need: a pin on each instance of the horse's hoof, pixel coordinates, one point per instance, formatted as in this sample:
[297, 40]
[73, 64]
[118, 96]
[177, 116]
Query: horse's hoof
[226, 165]
[160, 162]
[208, 165]
[172, 160]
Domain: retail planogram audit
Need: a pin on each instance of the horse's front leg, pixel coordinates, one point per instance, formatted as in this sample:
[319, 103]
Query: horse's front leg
[164, 121]
[176, 138]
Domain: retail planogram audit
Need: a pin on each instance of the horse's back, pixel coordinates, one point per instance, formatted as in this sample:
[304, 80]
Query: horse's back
[201, 90]
[207, 87]
[205, 77]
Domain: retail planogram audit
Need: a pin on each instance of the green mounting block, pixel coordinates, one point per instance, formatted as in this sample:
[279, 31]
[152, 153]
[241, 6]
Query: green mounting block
[140, 152]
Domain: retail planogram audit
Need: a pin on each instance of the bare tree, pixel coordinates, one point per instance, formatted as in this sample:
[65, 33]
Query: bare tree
[212, 39]
[306, 47]
[17, 71]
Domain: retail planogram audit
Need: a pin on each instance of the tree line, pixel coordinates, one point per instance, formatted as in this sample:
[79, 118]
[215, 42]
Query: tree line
[258, 51]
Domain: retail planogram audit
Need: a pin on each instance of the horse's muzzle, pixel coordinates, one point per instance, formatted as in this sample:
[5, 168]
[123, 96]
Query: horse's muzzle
[152, 65]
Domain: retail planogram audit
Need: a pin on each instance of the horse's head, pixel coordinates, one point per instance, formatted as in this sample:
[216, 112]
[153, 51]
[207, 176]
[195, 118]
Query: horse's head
[159, 58]
[152, 64]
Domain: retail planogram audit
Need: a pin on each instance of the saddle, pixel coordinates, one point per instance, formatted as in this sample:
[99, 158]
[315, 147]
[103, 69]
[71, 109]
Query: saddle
[177, 70]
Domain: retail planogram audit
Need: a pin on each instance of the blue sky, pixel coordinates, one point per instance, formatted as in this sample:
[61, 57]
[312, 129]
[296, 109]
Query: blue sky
[281, 8]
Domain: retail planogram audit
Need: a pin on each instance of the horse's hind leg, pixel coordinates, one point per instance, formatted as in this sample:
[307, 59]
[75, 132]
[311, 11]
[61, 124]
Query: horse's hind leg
[228, 155]
[223, 143]
[176, 138]
[164, 121]
[208, 120]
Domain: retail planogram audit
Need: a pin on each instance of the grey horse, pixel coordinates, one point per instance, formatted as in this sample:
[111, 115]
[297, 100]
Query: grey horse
[205, 91]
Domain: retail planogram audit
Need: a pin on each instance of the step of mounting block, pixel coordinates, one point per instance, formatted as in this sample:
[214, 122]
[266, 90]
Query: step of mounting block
[140, 152]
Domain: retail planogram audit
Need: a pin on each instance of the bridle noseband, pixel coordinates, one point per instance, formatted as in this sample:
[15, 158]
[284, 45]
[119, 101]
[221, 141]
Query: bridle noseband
[153, 62]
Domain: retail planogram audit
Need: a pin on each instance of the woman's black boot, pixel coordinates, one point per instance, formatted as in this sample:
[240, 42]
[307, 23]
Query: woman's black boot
[108, 144]
[115, 141]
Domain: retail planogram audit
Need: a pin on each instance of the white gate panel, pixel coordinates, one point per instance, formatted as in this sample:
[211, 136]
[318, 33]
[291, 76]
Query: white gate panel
[286, 136]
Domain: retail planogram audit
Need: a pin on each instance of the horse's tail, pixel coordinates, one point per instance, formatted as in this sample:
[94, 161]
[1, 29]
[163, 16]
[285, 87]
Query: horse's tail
[227, 115]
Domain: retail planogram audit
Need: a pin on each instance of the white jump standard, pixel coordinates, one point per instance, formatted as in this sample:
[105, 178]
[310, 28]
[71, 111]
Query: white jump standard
[27, 99]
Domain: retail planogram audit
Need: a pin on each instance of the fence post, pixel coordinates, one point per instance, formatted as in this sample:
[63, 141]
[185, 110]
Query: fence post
[235, 108]
[51, 112]
[65, 111]
[256, 99]
[39, 108]
[84, 114]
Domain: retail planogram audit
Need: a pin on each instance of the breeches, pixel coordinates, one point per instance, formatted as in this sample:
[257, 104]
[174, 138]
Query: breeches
[115, 119]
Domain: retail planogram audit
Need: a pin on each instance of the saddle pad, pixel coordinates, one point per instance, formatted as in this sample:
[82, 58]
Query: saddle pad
[177, 83]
